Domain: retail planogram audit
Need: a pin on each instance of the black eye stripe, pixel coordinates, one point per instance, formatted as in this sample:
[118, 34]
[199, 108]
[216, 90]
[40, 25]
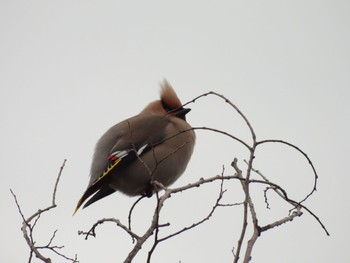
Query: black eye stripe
[166, 107]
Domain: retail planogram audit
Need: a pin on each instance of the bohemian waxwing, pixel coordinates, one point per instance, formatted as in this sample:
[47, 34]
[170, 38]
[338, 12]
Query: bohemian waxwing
[155, 144]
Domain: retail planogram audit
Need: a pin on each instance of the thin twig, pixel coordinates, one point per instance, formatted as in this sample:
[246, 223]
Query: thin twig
[231, 104]
[210, 214]
[132, 209]
[307, 158]
[92, 231]
[28, 227]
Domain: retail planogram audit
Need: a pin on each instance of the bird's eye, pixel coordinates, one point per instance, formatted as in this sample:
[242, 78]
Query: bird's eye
[166, 107]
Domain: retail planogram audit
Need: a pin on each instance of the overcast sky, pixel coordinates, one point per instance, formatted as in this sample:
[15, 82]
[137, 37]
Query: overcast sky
[71, 69]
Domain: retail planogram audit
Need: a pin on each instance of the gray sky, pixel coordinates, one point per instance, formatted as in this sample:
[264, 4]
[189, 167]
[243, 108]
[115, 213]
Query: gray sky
[71, 69]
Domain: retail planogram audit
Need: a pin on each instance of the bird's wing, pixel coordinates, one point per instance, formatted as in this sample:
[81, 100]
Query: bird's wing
[142, 136]
[136, 136]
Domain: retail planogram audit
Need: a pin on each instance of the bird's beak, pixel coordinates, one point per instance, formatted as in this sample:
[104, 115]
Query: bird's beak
[181, 113]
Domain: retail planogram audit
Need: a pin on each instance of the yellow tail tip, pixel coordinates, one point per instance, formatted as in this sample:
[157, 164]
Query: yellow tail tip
[75, 210]
[80, 202]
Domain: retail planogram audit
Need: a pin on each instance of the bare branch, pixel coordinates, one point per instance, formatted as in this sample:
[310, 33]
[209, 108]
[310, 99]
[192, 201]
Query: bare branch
[132, 209]
[296, 213]
[224, 133]
[307, 158]
[245, 212]
[210, 214]
[245, 181]
[231, 104]
[267, 180]
[92, 231]
[28, 228]
[250, 215]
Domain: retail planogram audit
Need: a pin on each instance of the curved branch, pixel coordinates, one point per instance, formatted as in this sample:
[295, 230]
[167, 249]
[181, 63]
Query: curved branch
[216, 205]
[231, 104]
[307, 158]
[245, 180]
[224, 133]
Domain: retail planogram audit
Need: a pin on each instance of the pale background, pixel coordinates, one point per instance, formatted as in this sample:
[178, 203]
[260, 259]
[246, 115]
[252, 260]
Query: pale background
[71, 69]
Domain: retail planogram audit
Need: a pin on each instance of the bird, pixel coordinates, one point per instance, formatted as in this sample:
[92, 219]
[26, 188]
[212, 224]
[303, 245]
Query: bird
[154, 145]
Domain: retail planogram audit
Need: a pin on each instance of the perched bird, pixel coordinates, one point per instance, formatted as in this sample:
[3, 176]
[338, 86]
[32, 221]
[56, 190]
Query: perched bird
[156, 144]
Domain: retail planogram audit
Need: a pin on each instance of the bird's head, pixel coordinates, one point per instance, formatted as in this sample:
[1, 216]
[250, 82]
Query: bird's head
[169, 103]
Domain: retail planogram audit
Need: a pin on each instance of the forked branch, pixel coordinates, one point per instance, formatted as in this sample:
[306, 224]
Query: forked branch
[28, 226]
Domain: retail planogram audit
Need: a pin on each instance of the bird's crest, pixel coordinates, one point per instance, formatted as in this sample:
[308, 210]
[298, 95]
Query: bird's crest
[168, 96]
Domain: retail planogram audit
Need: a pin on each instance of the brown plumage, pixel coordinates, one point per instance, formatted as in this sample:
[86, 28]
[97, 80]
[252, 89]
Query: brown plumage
[155, 144]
